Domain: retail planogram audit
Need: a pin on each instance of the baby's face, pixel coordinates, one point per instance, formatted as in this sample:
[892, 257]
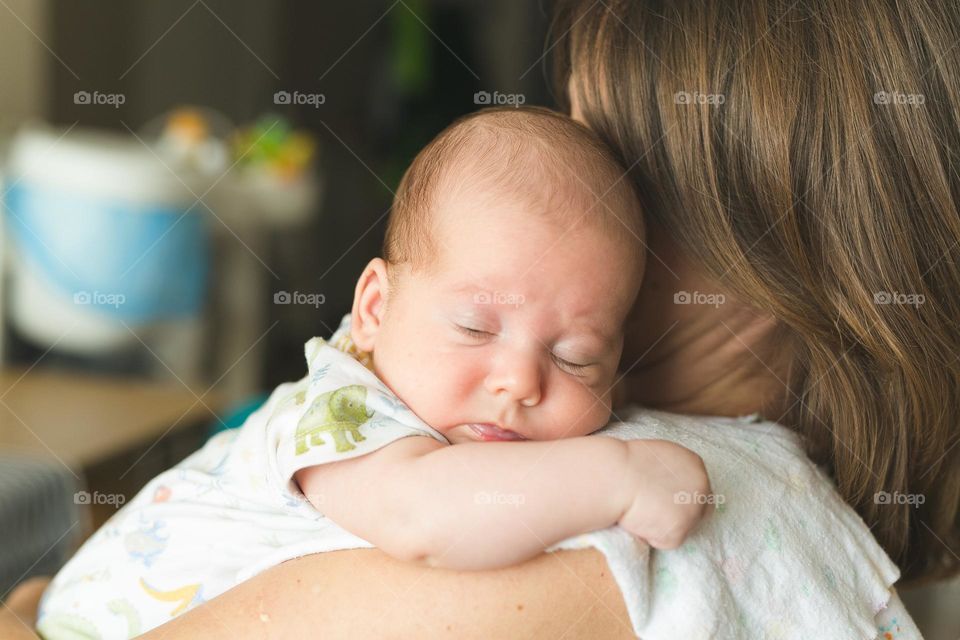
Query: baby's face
[515, 332]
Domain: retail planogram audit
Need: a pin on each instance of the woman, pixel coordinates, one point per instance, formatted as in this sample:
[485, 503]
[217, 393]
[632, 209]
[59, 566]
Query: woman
[796, 159]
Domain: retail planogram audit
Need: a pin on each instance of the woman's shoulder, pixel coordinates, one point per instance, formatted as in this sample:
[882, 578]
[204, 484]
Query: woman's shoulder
[570, 595]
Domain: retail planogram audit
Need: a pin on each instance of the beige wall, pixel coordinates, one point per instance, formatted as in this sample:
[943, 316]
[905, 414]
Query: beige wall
[24, 60]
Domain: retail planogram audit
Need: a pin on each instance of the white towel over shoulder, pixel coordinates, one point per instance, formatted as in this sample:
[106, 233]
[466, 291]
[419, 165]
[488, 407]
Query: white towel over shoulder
[780, 556]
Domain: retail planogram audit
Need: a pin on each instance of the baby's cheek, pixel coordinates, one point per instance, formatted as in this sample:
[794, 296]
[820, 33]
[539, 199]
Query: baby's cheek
[444, 390]
[598, 416]
[581, 412]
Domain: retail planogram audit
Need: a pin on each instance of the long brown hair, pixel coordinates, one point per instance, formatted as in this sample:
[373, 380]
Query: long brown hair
[806, 153]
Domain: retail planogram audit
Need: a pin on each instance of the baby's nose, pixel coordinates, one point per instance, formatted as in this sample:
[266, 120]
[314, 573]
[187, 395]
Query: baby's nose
[518, 378]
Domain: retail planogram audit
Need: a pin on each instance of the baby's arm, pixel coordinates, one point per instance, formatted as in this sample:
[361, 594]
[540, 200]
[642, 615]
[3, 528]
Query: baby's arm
[494, 504]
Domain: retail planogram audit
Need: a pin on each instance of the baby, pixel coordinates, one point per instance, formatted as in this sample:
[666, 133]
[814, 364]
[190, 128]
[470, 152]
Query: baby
[493, 323]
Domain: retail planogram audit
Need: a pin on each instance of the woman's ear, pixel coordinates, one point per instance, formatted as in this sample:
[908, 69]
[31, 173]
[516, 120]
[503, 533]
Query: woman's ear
[369, 299]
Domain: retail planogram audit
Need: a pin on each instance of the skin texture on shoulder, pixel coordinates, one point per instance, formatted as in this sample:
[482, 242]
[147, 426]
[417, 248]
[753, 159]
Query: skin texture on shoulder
[400, 600]
[404, 601]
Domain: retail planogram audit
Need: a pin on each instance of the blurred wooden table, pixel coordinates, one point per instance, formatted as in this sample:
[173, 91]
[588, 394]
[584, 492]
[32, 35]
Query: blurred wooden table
[113, 433]
[84, 419]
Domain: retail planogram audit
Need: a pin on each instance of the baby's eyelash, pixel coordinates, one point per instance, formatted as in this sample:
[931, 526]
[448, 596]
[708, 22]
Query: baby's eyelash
[571, 367]
[576, 369]
[473, 333]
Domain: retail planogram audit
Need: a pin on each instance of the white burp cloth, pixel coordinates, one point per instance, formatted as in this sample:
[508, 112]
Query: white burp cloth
[780, 556]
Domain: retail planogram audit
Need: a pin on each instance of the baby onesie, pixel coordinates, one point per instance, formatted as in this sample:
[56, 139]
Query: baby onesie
[231, 509]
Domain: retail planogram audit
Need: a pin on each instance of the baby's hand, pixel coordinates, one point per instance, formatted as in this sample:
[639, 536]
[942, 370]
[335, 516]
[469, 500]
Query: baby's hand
[669, 492]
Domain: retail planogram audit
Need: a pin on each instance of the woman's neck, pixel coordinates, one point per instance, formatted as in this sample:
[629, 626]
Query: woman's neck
[691, 348]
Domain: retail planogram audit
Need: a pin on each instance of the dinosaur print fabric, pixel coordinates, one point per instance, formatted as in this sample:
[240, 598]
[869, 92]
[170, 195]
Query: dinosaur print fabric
[231, 509]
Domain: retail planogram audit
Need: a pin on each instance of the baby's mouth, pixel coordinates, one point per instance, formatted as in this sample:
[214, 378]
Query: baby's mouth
[487, 431]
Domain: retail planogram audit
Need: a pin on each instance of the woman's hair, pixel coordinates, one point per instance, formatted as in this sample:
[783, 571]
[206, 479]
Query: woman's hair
[806, 153]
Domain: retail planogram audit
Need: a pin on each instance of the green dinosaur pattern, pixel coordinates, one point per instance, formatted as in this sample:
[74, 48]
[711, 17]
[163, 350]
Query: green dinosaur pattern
[338, 413]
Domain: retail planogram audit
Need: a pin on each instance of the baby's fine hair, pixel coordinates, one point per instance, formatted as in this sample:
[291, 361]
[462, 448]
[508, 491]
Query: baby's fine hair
[548, 161]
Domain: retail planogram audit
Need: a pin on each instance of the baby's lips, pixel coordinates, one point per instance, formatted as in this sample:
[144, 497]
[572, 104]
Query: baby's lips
[486, 431]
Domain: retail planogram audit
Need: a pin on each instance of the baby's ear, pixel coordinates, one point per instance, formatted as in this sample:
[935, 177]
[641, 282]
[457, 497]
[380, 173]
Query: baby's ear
[368, 304]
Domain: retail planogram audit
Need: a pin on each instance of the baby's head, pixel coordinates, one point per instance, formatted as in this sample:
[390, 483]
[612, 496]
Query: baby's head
[514, 252]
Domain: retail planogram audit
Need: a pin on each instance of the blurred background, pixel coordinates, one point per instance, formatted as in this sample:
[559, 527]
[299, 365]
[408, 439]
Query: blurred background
[190, 190]
[274, 132]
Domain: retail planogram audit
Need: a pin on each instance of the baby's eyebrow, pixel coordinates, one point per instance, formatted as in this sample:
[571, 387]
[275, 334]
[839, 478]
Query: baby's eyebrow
[604, 338]
[605, 341]
[470, 287]
[597, 335]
